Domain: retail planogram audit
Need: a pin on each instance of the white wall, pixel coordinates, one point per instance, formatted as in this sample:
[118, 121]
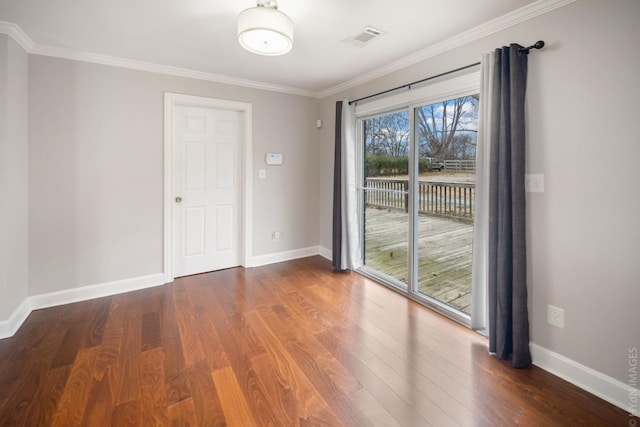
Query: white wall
[584, 136]
[96, 170]
[13, 176]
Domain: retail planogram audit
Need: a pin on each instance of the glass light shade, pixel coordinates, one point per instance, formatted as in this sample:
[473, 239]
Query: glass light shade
[265, 31]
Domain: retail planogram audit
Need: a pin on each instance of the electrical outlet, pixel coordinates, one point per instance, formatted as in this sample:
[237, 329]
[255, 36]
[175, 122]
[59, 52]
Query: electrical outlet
[555, 316]
[275, 235]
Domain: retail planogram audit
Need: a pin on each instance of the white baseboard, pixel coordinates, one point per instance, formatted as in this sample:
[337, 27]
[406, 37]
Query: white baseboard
[84, 293]
[257, 261]
[9, 327]
[605, 387]
[326, 253]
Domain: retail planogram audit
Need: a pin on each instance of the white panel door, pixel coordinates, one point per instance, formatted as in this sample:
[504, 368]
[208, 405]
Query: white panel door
[207, 184]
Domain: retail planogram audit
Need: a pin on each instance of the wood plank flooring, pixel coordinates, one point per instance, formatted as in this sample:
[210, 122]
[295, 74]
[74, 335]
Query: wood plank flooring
[290, 344]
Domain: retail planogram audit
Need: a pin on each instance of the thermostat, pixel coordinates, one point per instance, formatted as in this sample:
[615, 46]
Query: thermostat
[274, 159]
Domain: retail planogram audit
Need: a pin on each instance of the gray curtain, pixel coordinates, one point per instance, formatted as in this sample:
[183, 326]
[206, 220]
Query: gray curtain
[337, 193]
[507, 287]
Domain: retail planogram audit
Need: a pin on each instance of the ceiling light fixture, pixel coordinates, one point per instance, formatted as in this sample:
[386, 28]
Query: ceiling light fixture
[265, 30]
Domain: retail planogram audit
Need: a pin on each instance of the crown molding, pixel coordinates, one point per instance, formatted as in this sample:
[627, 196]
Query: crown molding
[505, 21]
[133, 64]
[15, 32]
[520, 15]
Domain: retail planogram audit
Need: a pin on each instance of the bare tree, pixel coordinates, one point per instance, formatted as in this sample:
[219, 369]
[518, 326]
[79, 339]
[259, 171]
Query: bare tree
[444, 130]
[447, 130]
[387, 135]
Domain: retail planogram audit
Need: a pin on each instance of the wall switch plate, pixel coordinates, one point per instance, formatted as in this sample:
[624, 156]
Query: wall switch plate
[555, 316]
[534, 183]
[262, 174]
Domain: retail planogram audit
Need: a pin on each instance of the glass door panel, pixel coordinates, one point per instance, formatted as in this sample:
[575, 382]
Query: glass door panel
[386, 197]
[445, 137]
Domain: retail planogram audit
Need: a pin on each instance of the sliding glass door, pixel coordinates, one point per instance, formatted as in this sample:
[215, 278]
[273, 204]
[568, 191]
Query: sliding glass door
[385, 189]
[445, 135]
[418, 169]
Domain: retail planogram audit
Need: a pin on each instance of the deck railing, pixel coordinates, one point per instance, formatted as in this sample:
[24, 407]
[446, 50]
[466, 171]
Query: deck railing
[445, 199]
[387, 193]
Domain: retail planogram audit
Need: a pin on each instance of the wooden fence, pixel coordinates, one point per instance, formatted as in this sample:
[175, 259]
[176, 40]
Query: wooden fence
[460, 165]
[445, 199]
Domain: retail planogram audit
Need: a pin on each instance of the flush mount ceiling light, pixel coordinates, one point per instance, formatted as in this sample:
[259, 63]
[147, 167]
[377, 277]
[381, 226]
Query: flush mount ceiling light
[265, 30]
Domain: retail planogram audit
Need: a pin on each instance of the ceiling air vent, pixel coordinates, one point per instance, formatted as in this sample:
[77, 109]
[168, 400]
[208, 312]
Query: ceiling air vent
[365, 36]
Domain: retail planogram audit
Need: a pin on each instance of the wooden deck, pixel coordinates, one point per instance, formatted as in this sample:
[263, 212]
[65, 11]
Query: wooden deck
[444, 249]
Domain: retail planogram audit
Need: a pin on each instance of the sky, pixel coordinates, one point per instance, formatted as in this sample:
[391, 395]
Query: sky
[392, 130]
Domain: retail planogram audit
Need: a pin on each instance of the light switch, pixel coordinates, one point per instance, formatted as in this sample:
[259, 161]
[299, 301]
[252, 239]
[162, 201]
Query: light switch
[262, 174]
[534, 183]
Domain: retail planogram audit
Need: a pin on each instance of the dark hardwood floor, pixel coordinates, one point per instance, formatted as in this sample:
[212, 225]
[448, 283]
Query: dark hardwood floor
[290, 344]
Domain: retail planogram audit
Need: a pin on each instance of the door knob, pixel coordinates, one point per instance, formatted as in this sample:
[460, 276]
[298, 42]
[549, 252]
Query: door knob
[178, 199]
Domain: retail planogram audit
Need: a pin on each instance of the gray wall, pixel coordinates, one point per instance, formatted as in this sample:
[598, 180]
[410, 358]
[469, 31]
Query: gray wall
[14, 208]
[96, 170]
[584, 136]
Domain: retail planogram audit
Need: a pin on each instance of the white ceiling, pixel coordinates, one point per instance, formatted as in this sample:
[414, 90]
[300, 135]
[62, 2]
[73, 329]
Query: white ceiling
[200, 35]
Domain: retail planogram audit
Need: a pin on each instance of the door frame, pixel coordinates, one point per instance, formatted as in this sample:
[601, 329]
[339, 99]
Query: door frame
[171, 101]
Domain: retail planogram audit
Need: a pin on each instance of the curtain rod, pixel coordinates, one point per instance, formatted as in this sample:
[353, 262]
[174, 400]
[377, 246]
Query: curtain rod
[537, 45]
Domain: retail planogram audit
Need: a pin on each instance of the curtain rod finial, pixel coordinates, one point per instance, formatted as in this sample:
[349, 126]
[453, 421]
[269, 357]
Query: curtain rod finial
[537, 45]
